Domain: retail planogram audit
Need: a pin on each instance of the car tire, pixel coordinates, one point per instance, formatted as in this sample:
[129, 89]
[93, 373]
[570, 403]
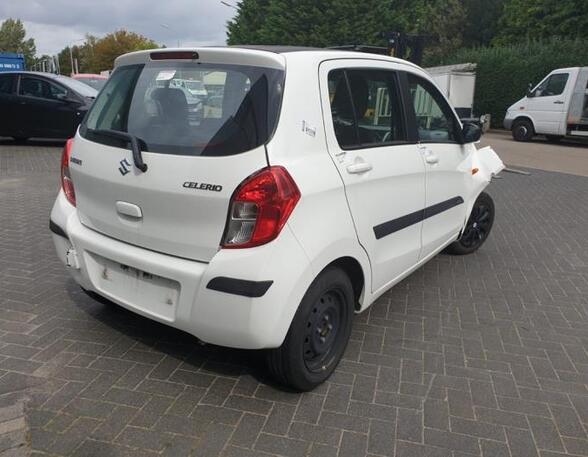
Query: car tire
[20, 139]
[318, 334]
[554, 138]
[477, 228]
[523, 130]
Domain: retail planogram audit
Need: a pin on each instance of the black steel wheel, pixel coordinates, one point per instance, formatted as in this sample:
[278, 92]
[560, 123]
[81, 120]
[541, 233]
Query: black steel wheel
[523, 130]
[318, 334]
[323, 330]
[477, 228]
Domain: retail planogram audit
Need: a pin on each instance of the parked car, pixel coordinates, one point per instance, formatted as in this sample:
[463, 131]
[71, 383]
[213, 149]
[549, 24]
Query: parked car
[42, 105]
[93, 80]
[556, 107]
[268, 222]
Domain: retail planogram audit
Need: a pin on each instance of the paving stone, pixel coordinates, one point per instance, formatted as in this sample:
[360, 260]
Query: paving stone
[463, 354]
[545, 434]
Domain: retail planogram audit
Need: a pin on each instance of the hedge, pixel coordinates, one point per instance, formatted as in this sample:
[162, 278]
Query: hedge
[504, 72]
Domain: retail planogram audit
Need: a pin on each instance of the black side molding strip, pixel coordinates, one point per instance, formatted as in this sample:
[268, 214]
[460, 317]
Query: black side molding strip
[57, 229]
[242, 287]
[400, 223]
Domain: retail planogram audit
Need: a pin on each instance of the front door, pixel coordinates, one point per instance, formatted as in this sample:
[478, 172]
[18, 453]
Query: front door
[445, 159]
[382, 170]
[548, 105]
[45, 107]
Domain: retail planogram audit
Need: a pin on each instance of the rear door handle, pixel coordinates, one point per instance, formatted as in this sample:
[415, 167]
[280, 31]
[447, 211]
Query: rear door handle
[559, 102]
[430, 156]
[359, 167]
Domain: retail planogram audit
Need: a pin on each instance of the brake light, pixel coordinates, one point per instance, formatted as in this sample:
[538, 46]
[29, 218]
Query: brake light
[66, 182]
[260, 208]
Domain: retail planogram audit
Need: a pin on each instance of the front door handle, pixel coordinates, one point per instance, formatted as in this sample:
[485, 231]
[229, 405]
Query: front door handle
[558, 102]
[359, 167]
[431, 157]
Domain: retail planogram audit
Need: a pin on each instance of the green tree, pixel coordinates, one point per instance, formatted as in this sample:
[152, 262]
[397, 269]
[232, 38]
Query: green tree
[482, 18]
[104, 51]
[540, 19]
[323, 23]
[13, 39]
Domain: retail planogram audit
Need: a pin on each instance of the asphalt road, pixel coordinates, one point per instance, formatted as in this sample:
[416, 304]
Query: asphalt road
[566, 157]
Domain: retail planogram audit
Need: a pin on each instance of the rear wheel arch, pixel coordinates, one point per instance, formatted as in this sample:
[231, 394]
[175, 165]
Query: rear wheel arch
[352, 268]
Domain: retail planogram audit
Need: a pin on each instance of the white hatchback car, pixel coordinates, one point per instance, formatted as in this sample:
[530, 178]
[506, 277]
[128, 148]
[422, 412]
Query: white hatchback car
[320, 180]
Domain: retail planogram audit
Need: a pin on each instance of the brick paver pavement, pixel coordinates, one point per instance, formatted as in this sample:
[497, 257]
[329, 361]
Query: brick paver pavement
[483, 355]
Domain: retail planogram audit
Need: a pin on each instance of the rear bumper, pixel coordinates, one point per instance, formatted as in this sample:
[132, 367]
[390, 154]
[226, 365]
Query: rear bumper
[242, 298]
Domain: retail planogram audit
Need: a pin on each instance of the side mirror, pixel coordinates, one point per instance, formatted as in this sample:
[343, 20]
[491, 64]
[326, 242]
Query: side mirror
[67, 98]
[471, 132]
[530, 92]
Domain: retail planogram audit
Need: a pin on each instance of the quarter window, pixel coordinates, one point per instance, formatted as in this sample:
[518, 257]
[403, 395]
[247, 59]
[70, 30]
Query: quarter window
[435, 121]
[554, 85]
[366, 108]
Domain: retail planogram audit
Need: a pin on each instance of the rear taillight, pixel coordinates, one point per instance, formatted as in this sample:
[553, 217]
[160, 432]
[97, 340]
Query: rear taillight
[260, 208]
[66, 182]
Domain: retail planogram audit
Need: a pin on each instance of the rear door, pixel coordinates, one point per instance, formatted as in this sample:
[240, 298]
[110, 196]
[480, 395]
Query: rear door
[195, 160]
[549, 104]
[383, 173]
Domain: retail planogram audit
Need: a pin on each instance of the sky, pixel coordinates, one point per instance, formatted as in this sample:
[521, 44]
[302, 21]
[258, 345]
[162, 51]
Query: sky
[55, 24]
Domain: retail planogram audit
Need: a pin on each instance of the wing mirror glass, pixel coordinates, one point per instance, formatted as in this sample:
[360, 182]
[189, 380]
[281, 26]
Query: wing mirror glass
[471, 132]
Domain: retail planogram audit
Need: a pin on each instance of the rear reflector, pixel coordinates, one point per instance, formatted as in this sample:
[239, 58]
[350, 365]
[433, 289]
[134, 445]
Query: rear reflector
[175, 55]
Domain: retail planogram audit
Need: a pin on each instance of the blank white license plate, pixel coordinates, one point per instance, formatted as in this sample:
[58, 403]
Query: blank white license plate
[144, 291]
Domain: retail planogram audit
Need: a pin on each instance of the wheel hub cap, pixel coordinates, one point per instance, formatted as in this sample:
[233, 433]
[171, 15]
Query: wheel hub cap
[322, 330]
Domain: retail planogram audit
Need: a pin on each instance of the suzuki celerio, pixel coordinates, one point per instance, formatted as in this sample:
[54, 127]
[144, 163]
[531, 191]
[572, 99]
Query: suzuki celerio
[304, 185]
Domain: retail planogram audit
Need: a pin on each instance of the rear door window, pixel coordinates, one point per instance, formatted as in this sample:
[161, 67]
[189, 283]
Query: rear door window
[236, 112]
[366, 108]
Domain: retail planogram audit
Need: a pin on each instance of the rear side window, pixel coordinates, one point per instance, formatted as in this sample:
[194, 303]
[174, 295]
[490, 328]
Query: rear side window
[366, 108]
[188, 108]
[6, 82]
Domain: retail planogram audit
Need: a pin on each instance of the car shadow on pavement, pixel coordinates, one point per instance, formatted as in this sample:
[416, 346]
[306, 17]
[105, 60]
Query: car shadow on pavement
[186, 352]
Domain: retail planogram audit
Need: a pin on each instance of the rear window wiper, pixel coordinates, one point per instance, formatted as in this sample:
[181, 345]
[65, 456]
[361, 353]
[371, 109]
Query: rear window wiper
[135, 145]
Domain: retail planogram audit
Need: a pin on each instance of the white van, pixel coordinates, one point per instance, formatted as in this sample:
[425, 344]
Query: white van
[268, 221]
[556, 107]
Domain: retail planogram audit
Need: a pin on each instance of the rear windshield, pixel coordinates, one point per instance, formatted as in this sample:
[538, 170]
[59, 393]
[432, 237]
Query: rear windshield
[236, 112]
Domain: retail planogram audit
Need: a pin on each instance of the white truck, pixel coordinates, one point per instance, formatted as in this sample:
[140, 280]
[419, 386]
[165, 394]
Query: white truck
[458, 83]
[557, 107]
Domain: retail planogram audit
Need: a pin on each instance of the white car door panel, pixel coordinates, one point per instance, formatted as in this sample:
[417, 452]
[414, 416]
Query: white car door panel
[383, 173]
[446, 177]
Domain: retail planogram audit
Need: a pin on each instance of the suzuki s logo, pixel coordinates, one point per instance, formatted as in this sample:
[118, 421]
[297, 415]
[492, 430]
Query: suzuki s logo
[125, 167]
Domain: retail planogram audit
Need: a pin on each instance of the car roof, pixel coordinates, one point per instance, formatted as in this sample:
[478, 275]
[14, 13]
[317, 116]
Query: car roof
[271, 55]
[32, 73]
[89, 75]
